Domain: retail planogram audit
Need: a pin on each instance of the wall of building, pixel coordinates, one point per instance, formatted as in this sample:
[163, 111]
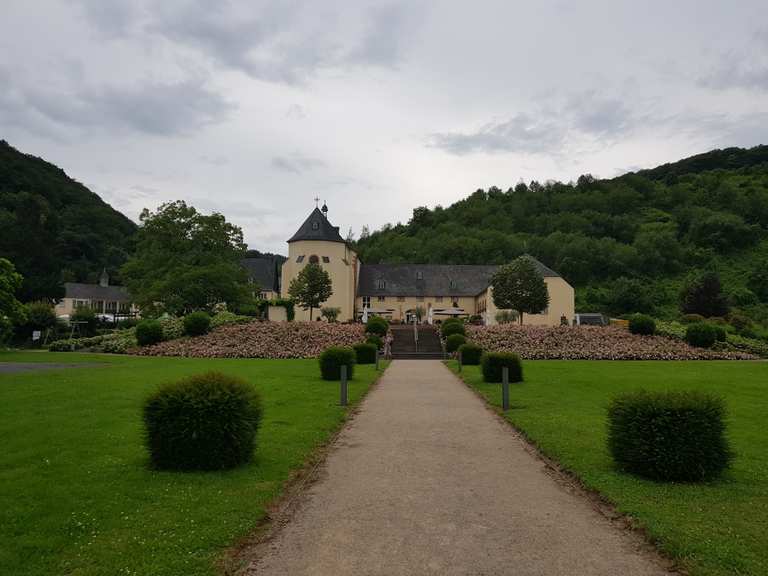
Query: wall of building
[561, 303]
[400, 306]
[342, 268]
[67, 306]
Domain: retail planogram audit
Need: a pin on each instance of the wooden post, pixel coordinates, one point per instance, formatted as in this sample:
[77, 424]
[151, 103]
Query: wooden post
[344, 385]
[505, 388]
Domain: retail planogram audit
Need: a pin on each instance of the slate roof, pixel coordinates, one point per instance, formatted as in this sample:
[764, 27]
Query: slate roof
[82, 291]
[263, 271]
[436, 279]
[317, 227]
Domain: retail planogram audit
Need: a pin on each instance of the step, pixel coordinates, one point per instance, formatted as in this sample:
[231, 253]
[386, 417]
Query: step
[418, 356]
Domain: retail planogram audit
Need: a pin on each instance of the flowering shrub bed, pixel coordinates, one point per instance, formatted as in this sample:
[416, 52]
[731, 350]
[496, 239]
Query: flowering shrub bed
[262, 340]
[589, 343]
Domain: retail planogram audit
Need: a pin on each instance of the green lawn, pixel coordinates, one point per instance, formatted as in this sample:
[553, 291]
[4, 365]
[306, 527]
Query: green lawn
[77, 497]
[716, 528]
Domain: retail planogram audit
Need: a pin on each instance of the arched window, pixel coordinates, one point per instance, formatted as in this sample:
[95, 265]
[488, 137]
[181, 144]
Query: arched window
[315, 225]
[314, 259]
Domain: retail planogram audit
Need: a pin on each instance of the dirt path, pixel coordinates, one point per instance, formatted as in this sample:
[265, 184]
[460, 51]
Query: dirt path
[425, 480]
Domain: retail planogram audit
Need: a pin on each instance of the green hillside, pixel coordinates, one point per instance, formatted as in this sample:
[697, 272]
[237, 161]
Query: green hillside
[53, 228]
[625, 243]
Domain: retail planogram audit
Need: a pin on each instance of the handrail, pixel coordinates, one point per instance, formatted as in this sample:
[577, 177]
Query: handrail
[415, 335]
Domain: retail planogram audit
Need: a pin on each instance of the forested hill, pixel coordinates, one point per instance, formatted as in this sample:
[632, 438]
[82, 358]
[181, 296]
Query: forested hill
[53, 228]
[644, 229]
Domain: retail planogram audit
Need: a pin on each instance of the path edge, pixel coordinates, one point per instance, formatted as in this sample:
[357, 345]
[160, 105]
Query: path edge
[236, 559]
[571, 482]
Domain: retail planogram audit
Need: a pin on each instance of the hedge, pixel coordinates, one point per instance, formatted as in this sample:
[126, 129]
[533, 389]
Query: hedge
[669, 436]
[470, 354]
[365, 353]
[493, 362]
[333, 359]
[642, 324]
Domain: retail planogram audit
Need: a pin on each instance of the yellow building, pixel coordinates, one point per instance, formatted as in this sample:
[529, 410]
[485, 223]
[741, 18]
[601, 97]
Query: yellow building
[397, 291]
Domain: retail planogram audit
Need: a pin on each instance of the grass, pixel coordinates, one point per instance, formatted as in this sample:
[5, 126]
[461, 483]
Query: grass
[77, 496]
[716, 528]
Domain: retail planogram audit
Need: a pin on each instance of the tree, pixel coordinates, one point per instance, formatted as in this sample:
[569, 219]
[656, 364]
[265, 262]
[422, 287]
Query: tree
[186, 261]
[330, 313]
[520, 286]
[703, 295]
[311, 287]
[11, 310]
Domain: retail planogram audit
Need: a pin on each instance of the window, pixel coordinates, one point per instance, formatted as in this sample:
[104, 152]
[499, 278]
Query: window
[300, 259]
[81, 303]
[366, 301]
[111, 307]
[326, 259]
[314, 259]
[452, 284]
[381, 284]
[97, 305]
[419, 275]
[382, 298]
[315, 225]
[264, 295]
[455, 303]
[401, 298]
[438, 298]
[125, 307]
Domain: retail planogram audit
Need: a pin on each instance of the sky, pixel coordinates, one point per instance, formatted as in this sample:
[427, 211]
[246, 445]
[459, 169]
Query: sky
[254, 108]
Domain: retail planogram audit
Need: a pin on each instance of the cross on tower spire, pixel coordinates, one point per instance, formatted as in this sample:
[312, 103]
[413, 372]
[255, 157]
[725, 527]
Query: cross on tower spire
[317, 201]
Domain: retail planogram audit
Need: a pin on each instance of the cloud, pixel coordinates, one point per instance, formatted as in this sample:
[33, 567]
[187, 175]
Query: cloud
[151, 108]
[546, 129]
[111, 18]
[746, 68]
[391, 28]
[295, 164]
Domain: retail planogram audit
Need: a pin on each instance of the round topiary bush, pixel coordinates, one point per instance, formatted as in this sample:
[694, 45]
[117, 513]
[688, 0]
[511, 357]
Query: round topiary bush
[669, 436]
[642, 324]
[692, 318]
[701, 335]
[453, 328]
[720, 333]
[453, 342]
[149, 332]
[197, 324]
[375, 340]
[493, 362]
[332, 359]
[365, 353]
[203, 422]
[470, 354]
[377, 325]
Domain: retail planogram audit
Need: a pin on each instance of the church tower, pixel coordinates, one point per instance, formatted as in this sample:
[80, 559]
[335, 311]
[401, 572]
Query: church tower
[318, 241]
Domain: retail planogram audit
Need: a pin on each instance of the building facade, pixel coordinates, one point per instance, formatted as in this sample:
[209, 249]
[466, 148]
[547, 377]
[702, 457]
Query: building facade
[400, 291]
[102, 298]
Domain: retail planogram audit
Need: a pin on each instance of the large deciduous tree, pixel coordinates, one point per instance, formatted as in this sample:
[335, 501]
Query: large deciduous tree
[520, 286]
[311, 287]
[186, 261]
[702, 294]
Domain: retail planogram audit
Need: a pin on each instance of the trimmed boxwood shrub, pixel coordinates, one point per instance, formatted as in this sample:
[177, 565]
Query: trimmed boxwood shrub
[365, 353]
[197, 324]
[701, 334]
[453, 342]
[203, 422]
[377, 325]
[453, 328]
[470, 354]
[332, 359]
[149, 332]
[669, 436]
[493, 362]
[642, 324]
[375, 340]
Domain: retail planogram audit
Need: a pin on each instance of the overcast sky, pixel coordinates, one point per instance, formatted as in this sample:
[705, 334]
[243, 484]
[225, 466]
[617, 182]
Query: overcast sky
[253, 108]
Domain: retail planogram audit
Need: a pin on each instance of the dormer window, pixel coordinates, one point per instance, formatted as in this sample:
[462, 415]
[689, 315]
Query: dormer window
[453, 284]
[381, 284]
[315, 225]
[419, 275]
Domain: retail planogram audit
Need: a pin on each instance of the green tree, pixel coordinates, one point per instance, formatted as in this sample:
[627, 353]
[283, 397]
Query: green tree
[11, 310]
[703, 294]
[311, 287]
[520, 286]
[186, 261]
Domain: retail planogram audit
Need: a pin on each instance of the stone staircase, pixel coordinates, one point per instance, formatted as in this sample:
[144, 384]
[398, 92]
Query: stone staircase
[405, 346]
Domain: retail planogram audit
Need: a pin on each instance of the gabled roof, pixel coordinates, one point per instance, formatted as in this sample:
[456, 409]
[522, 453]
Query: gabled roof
[263, 271]
[430, 279]
[82, 291]
[317, 227]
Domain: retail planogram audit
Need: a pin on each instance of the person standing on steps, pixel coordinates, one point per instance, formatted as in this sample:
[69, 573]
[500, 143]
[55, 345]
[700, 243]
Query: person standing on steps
[388, 345]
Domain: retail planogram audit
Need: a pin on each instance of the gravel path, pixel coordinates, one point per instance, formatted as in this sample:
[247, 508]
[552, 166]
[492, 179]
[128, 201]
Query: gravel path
[426, 480]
